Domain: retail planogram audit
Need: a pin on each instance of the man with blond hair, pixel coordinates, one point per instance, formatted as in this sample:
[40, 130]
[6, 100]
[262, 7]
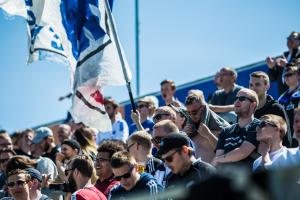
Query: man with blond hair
[274, 155]
[237, 143]
[260, 83]
[140, 147]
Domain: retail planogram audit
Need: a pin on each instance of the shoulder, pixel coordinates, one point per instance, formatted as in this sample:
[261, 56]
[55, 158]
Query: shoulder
[203, 166]
[229, 129]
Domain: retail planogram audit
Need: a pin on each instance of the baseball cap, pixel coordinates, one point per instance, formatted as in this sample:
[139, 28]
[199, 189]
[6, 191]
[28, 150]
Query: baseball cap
[172, 141]
[294, 35]
[41, 133]
[72, 143]
[35, 174]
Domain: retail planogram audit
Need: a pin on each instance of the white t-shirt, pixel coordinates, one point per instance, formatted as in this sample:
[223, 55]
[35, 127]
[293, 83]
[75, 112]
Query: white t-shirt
[280, 158]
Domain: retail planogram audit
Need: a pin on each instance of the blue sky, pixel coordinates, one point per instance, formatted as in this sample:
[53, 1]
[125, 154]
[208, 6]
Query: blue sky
[180, 40]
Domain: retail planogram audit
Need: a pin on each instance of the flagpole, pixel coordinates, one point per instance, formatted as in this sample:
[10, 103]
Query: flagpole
[118, 46]
[137, 47]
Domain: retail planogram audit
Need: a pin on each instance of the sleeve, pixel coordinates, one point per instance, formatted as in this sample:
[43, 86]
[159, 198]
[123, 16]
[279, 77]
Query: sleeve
[251, 137]
[122, 131]
[221, 140]
[213, 99]
[273, 73]
[154, 188]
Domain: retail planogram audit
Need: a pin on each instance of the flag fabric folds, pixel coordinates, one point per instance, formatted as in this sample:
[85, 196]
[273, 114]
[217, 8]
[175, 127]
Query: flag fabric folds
[76, 33]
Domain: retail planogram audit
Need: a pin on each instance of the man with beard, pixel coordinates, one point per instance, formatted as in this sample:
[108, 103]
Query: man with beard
[79, 172]
[64, 132]
[238, 141]
[25, 142]
[44, 138]
[104, 171]
[260, 83]
[204, 125]
[69, 149]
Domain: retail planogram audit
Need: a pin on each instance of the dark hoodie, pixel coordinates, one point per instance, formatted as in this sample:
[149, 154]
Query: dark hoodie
[146, 187]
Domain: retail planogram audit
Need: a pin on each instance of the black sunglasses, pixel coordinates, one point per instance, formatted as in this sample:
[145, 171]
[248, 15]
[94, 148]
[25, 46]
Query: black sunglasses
[18, 183]
[142, 106]
[289, 74]
[67, 171]
[129, 146]
[156, 140]
[265, 123]
[169, 158]
[243, 98]
[127, 175]
[158, 117]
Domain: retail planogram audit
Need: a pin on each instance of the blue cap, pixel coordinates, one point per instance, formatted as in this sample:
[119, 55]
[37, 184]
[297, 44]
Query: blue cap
[41, 133]
[35, 174]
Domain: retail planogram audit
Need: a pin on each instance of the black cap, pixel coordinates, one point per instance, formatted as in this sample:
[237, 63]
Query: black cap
[35, 174]
[72, 143]
[172, 141]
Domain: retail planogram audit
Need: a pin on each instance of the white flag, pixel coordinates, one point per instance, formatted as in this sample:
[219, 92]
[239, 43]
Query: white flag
[77, 33]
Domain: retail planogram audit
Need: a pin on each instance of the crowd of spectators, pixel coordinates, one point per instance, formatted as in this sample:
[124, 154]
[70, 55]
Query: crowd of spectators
[168, 149]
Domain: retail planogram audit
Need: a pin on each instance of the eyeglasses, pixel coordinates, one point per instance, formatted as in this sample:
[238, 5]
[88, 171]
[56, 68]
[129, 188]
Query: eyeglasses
[158, 117]
[243, 98]
[67, 171]
[140, 106]
[18, 183]
[129, 146]
[169, 158]
[289, 74]
[127, 175]
[156, 140]
[4, 160]
[265, 123]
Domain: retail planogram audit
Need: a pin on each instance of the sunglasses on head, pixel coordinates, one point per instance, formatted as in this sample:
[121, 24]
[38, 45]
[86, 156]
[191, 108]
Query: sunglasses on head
[158, 117]
[243, 98]
[127, 175]
[129, 146]
[169, 158]
[18, 183]
[265, 123]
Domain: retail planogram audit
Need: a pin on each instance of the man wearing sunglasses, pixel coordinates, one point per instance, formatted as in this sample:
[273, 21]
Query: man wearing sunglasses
[274, 155]
[260, 83]
[164, 112]
[79, 173]
[18, 183]
[131, 182]
[143, 119]
[178, 156]
[237, 143]
[103, 168]
[290, 99]
[5, 155]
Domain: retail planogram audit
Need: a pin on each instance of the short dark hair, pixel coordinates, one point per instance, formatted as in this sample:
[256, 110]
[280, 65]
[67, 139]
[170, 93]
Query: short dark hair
[172, 83]
[111, 147]
[72, 143]
[143, 138]
[121, 158]
[84, 164]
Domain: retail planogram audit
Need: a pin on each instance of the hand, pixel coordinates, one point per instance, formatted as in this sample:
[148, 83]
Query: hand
[282, 62]
[46, 180]
[270, 62]
[264, 148]
[59, 157]
[216, 160]
[135, 116]
[203, 130]
[189, 130]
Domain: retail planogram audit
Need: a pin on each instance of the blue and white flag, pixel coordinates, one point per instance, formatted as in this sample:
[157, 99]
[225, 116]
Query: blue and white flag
[78, 34]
